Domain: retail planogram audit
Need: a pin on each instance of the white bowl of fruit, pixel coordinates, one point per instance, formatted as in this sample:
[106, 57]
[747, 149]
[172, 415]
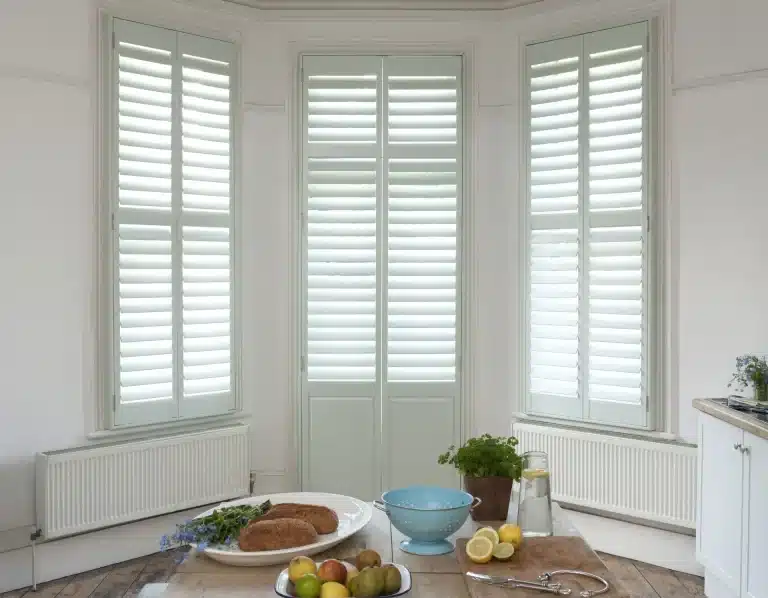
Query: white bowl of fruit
[367, 577]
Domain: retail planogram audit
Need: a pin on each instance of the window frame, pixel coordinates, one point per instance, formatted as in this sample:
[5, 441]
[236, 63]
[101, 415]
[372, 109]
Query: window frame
[106, 423]
[656, 210]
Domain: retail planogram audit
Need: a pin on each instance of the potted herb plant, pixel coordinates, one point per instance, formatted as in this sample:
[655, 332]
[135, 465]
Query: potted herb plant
[751, 371]
[490, 465]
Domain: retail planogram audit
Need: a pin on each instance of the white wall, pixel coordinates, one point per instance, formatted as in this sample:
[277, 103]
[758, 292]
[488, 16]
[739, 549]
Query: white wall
[48, 244]
[720, 169]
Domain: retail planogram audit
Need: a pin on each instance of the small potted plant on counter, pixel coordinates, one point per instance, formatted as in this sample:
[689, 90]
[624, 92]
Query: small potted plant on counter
[751, 371]
[490, 465]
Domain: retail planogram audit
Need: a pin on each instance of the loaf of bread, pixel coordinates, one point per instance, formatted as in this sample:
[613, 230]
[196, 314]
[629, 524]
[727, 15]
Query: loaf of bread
[323, 519]
[276, 534]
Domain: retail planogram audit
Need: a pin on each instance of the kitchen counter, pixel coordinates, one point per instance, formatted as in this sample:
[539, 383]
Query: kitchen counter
[433, 576]
[746, 421]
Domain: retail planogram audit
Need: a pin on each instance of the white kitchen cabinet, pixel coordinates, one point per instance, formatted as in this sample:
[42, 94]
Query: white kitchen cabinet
[755, 513]
[732, 519]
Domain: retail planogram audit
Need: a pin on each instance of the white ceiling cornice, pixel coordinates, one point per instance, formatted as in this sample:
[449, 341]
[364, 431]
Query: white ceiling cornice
[456, 5]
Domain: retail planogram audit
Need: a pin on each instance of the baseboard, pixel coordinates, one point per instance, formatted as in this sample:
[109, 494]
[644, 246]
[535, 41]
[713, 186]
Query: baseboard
[69, 556]
[664, 548]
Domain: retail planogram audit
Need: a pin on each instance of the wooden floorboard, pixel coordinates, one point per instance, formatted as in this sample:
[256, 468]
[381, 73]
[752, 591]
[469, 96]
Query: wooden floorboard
[84, 584]
[627, 574]
[119, 580]
[159, 569]
[693, 583]
[664, 581]
[126, 580]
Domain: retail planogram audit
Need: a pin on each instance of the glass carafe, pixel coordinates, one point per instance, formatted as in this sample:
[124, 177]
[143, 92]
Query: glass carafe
[534, 511]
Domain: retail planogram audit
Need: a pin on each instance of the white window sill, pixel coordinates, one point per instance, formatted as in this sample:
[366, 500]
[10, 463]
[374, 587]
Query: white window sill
[654, 436]
[176, 427]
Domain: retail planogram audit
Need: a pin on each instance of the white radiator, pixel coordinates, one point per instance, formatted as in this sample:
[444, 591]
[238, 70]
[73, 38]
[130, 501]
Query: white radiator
[655, 481]
[88, 488]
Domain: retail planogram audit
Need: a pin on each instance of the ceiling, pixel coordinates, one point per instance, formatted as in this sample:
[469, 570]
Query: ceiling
[384, 4]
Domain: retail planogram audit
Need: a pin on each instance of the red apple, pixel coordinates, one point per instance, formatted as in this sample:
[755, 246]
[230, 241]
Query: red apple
[332, 570]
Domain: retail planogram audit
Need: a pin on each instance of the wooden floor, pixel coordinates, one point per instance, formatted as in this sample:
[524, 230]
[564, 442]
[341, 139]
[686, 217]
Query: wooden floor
[126, 580]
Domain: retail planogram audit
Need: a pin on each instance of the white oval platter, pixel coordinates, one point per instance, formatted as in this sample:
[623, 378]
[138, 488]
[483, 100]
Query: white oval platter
[353, 514]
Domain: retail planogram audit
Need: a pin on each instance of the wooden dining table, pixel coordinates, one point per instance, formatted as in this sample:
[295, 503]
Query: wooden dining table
[433, 576]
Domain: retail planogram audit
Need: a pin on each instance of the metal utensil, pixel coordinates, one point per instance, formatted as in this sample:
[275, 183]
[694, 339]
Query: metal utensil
[513, 582]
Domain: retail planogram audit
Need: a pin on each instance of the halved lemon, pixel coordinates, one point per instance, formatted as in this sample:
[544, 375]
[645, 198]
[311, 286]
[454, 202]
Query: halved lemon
[487, 532]
[532, 474]
[504, 551]
[511, 534]
[480, 549]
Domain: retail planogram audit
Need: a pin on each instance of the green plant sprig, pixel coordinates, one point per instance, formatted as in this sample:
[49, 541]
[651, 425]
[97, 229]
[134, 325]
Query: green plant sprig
[222, 527]
[485, 456]
[750, 369]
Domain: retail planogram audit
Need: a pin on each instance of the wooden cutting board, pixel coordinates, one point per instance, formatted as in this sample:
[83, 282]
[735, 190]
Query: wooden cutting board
[536, 556]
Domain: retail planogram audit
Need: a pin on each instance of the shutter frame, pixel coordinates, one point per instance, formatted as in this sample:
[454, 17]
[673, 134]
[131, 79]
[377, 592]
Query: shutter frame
[610, 172]
[122, 34]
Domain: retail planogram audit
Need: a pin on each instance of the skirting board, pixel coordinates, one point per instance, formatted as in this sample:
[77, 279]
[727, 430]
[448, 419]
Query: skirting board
[76, 554]
[663, 548]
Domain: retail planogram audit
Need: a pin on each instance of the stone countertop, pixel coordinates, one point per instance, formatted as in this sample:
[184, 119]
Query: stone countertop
[433, 576]
[741, 419]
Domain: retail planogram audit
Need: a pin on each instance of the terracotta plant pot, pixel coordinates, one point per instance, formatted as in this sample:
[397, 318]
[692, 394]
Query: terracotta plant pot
[495, 492]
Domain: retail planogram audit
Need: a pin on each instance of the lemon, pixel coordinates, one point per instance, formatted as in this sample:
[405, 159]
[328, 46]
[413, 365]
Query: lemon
[333, 589]
[511, 534]
[504, 551]
[532, 474]
[480, 549]
[487, 532]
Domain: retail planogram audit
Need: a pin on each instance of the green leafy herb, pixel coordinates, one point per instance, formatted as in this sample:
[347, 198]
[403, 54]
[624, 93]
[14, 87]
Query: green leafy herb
[485, 456]
[220, 527]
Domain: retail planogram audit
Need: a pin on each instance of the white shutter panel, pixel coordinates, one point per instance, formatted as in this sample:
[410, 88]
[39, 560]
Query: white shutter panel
[587, 214]
[616, 60]
[143, 223]
[423, 185]
[164, 248]
[207, 72]
[341, 162]
[340, 183]
[422, 194]
[554, 222]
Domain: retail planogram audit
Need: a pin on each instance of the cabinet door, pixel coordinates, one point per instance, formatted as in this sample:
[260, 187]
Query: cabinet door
[719, 529]
[755, 549]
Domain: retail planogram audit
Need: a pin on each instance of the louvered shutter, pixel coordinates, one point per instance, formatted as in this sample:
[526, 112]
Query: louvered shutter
[342, 165]
[206, 220]
[423, 182]
[381, 183]
[172, 338]
[587, 220]
[554, 220]
[616, 227]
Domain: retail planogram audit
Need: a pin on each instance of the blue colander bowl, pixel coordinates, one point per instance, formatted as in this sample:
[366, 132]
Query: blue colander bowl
[427, 515]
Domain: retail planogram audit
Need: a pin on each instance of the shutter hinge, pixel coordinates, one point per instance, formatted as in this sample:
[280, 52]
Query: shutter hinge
[114, 43]
[647, 403]
[458, 363]
[113, 221]
[114, 401]
[648, 222]
[303, 364]
[648, 42]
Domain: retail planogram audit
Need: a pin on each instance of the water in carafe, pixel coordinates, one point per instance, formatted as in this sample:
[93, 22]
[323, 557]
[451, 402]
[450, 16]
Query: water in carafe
[534, 512]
